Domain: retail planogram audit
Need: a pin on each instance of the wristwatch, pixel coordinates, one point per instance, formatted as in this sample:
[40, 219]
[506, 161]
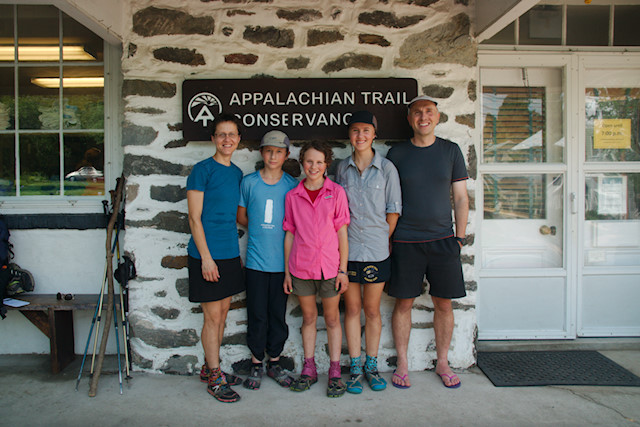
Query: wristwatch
[461, 240]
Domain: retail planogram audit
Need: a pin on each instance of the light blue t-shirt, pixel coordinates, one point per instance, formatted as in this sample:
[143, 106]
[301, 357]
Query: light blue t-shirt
[265, 209]
[221, 187]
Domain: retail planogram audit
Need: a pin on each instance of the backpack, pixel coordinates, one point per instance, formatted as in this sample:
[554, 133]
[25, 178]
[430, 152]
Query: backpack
[5, 273]
[13, 279]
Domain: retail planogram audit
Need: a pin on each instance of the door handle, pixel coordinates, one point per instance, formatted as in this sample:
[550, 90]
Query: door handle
[546, 230]
[573, 199]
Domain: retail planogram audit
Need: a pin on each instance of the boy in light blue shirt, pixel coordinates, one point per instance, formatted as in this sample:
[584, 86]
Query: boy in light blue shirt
[261, 209]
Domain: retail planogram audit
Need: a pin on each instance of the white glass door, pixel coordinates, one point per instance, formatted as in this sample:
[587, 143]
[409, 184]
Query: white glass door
[609, 283]
[523, 289]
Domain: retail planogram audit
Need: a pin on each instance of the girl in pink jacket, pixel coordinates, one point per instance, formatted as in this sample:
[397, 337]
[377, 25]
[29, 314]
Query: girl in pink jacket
[316, 251]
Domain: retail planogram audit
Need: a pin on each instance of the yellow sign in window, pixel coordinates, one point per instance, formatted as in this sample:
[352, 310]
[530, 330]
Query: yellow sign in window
[612, 133]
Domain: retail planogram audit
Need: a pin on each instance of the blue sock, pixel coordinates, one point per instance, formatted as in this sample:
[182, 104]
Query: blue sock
[356, 366]
[371, 364]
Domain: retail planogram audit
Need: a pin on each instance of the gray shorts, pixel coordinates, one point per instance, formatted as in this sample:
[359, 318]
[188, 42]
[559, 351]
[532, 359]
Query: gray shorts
[325, 288]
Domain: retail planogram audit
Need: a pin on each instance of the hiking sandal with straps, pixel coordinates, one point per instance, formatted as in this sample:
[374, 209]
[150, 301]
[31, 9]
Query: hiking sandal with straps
[336, 387]
[303, 383]
[255, 377]
[279, 375]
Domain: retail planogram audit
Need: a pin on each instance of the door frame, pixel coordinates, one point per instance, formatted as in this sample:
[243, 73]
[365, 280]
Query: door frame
[568, 64]
[574, 66]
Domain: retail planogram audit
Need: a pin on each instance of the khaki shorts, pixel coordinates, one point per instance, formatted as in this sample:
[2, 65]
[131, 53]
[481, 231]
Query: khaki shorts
[325, 288]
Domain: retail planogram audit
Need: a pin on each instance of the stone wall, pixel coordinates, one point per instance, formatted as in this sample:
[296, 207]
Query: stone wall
[428, 40]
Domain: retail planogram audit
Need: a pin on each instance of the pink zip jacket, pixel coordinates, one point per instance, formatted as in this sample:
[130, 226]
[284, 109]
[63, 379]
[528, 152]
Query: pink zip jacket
[314, 253]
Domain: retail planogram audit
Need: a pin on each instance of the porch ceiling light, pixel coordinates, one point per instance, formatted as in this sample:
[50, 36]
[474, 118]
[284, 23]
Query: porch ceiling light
[68, 82]
[46, 53]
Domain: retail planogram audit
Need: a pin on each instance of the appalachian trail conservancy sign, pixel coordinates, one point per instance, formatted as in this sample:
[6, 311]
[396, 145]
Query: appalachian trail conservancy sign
[302, 108]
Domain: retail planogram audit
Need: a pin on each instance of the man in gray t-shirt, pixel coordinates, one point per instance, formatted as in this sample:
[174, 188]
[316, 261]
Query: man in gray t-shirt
[424, 242]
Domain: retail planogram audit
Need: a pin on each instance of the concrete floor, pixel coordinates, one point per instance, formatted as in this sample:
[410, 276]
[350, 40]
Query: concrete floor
[30, 395]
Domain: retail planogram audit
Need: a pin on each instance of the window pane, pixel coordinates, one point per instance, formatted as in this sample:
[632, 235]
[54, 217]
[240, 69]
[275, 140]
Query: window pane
[612, 124]
[82, 43]
[38, 35]
[504, 36]
[7, 105]
[587, 25]
[84, 164]
[38, 106]
[7, 166]
[6, 33]
[612, 214]
[625, 27]
[517, 196]
[522, 124]
[523, 221]
[39, 164]
[542, 25]
[84, 104]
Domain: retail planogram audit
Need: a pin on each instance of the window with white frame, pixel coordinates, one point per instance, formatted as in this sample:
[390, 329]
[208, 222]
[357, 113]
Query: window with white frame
[52, 106]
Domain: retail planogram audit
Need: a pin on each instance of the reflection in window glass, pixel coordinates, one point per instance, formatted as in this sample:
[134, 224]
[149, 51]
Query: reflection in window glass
[587, 25]
[7, 165]
[39, 164]
[612, 124]
[38, 106]
[513, 124]
[612, 219]
[7, 105]
[83, 99]
[84, 164]
[519, 196]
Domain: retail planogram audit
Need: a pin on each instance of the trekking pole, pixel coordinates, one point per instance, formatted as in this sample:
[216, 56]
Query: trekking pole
[115, 324]
[93, 323]
[123, 319]
[116, 197]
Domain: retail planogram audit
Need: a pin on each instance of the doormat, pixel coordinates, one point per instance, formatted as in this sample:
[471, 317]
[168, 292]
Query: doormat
[539, 368]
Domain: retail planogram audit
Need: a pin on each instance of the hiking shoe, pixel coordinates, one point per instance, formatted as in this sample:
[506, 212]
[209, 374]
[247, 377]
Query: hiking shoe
[336, 387]
[222, 392]
[232, 379]
[354, 385]
[376, 382]
[279, 375]
[303, 383]
[20, 281]
[253, 380]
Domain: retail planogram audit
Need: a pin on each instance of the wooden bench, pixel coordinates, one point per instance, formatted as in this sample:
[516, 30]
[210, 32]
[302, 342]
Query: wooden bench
[54, 318]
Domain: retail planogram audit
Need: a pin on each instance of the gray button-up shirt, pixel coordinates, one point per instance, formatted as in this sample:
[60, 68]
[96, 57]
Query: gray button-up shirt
[372, 196]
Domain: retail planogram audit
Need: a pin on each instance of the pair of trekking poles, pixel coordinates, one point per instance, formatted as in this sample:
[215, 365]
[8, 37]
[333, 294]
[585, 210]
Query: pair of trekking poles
[112, 246]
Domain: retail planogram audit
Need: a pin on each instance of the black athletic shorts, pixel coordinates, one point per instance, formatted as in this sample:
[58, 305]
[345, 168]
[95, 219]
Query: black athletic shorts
[231, 280]
[438, 260]
[369, 272]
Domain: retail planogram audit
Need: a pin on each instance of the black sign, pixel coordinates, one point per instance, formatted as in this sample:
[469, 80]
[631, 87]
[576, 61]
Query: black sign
[302, 108]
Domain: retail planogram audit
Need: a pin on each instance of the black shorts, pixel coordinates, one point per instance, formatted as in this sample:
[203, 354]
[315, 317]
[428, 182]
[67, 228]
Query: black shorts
[369, 272]
[231, 280]
[438, 260]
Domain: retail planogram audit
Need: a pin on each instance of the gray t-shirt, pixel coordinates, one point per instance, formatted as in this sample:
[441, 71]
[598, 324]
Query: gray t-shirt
[426, 174]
